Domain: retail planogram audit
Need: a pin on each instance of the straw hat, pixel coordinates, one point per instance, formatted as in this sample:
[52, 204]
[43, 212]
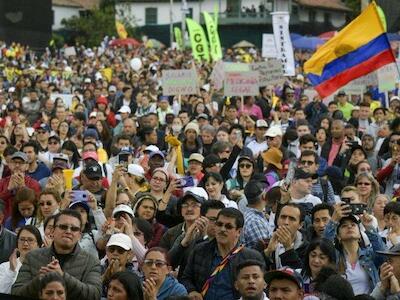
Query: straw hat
[273, 156]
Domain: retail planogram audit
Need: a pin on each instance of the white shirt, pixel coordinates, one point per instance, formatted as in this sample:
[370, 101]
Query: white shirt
[307, 199]
[358, 278]
[263, 298]
[8, 277]
[257, 147]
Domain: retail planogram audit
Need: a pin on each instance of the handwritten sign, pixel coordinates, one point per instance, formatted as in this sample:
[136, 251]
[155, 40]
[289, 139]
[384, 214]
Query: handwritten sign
[179, 82]
[269, 72]
[241, 83]
[66, 98]
[217, 75]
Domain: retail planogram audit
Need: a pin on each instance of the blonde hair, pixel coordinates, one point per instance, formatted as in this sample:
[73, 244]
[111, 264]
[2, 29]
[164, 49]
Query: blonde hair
[374, 188]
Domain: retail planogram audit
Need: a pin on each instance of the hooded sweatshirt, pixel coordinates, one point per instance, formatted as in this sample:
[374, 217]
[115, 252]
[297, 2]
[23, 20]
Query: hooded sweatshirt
[171, 287]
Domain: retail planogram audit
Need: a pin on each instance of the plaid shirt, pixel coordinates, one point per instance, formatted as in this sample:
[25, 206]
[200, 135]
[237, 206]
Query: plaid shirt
[255, 228]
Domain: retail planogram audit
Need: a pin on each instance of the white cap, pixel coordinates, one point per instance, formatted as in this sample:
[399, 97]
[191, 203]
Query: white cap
[300, 77]
[11, 89]
[136, 170]
[125, 109]
[93, 114]
[274, 131]
[121, 240]
[123, 208]
[112, 88]
[395, 98]
[152, 148]
[261, 123]
[87, 80]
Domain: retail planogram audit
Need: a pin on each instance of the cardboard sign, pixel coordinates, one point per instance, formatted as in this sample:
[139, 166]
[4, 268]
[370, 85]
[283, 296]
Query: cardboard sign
[67, 98]
[69, 51]
[269, 46]
[269, 72]
[387, 77]
[241, 84]
[217, 75]
[179, 82]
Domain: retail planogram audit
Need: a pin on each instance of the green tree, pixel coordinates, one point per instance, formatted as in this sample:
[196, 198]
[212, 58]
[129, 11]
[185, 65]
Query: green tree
[91, 28]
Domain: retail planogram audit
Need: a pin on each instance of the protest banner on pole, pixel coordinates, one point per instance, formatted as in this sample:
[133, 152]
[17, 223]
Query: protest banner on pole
[270, 72]
[280, 24]
[178, 37]
[269, 46]
[198, 41]
[179, 82]
[213, 37]
[241, 83]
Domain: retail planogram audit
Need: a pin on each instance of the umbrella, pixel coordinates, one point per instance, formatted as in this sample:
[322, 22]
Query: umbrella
[309, 43]
[295, 36]
[153, 43]
[124, 42]
[327, 35]
[243, 44]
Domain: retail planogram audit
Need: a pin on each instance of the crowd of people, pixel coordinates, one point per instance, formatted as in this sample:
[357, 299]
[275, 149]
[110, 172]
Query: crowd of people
[125, 193]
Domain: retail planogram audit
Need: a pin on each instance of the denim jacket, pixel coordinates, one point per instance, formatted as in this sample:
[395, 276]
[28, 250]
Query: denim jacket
[369, 260]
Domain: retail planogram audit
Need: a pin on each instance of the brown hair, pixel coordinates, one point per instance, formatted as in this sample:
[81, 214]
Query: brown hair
[56, 196]
[23, 194]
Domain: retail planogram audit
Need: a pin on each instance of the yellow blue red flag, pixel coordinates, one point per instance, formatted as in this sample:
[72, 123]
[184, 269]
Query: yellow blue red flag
[358, 49]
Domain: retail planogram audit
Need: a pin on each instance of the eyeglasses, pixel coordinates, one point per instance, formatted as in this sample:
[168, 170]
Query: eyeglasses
[65, 227]
[27, 240]
[364, 183]
[158, 179]
[307, 162]
[158, 263]
[112, 249]
[191, 205]
[48, 203]
[227, 226]
[247, 166]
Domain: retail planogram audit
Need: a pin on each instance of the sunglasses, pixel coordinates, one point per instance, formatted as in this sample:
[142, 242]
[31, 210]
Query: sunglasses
[247, 166]
[156, 262]
[112, 249]
[226, 225]
[48, 203]
[65, 227]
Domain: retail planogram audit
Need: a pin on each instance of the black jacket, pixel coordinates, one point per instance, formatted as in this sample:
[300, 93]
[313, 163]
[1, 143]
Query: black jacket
[199, 265]
[8, 242]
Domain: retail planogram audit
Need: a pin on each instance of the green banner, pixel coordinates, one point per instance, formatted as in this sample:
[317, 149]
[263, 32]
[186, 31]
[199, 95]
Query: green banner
[178, 37]
[213, 37]
[216, 15]
[198, 41]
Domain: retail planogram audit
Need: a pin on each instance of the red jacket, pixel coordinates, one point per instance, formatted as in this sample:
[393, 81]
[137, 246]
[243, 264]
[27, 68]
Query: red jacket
[8, 196]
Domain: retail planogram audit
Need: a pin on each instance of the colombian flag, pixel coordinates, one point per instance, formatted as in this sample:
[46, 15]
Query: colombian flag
[358, 49]
[121, 30]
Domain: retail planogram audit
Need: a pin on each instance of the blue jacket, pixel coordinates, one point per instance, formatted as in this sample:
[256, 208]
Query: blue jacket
[369, 260]
[171, 287]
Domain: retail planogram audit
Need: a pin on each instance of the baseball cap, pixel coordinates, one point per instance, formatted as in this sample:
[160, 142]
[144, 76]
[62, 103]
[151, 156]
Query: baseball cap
[202, 116]
[395, 251]
[274, 131]
[11, 89]
[196, 157]
[211, 160]
[45, 127]
[136, 170]
[253, 189]
[121, 240]
[93, 171]
[242, 157]
[91, 132]
[341, 93]
[59, 164]
[395, 98]
[126, 150]
[284, 273]
[112, 88]
[151, 148]
[301, 174]
[123, 208]
[159, 153]
[20, 155]
[352, 218]
[54, 137]
[198, 193]
[87, 80]
[163, 98]
[90, 154]
[358, 147]
[261, 124]
[102, 100]
[84, 204]
[93, 114]
[125, 109]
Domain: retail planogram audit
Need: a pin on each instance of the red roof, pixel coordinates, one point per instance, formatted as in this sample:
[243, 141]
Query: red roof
[327, 4]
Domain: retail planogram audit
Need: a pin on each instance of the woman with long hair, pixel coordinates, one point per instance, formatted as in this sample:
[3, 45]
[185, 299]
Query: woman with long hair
[49, 204]
[124, 286]
[246, 169]
[215, 187]
[105, 134]
[23, 209]
[63, 131]
[28, 239]
[320, 253]
[368, 188]
[69, 148]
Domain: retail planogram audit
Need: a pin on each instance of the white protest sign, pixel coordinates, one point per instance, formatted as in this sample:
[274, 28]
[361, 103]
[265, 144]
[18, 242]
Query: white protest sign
[280, 24]
[270, 72]
[241, 84]
[217, 75]
[66, 98]
[69, 51]
[387, 77]
[236, 67]
[179, 82]
[268, 46]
